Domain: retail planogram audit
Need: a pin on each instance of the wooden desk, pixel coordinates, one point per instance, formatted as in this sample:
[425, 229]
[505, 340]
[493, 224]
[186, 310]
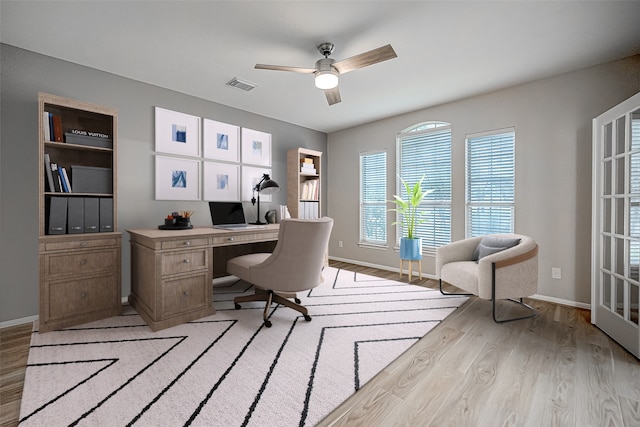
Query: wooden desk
[172, 270]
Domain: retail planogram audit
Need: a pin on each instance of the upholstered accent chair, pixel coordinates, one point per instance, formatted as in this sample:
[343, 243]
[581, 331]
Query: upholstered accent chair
[493, 267]
[295, 265]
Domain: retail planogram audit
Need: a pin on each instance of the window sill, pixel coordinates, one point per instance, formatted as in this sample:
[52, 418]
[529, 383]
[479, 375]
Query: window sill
[373, 246]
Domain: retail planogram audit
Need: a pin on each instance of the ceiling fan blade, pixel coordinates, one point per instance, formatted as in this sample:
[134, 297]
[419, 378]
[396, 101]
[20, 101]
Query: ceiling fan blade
[365, 59]
[333, 95]
[285, 68]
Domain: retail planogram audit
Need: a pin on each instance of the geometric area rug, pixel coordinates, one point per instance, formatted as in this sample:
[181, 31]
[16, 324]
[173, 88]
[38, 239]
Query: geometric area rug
[228, 369]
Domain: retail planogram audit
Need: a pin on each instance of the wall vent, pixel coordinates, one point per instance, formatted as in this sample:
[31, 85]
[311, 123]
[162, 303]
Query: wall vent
[241, 84]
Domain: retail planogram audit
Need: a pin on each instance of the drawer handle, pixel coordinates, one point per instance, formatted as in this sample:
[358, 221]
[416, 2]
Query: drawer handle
[83, 244]
[186, 261]
[83, 261]
[186, 293]
[187, 243]
[229, 239]
[83, 294]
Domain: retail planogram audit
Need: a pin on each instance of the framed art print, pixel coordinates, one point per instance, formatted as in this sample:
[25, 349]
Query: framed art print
[177, 179]
[221, 141]
[177, 133]
[221, 182]
[256, 147]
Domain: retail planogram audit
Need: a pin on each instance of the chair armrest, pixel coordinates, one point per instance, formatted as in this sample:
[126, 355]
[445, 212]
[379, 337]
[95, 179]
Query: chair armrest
[462, 250]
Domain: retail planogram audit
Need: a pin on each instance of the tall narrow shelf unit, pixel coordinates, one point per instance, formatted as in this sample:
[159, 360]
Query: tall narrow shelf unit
[304, 188]
[79, 248]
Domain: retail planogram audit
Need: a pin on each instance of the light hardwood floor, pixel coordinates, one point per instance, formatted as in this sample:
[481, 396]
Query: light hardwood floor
[553, 370]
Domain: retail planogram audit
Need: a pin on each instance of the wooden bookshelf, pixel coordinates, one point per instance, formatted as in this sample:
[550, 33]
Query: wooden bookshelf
[79, 246]
[304, 184]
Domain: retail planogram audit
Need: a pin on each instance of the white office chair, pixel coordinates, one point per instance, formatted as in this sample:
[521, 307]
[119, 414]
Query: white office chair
[295, 265]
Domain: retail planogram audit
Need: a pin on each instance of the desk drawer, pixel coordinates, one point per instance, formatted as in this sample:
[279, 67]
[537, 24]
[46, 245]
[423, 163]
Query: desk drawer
[244, 238]
[81, 244]
[71, 298]
[184, 243]
[184, 261]
[80, 262]
[185, 294]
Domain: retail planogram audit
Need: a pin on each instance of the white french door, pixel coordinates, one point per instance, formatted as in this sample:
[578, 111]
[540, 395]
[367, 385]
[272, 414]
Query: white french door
[615, 281]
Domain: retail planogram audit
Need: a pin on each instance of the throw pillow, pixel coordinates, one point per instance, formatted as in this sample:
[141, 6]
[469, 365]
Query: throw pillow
[491, 244]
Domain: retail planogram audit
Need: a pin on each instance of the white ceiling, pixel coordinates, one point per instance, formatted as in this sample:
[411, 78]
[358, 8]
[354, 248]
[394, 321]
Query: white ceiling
[446, 50]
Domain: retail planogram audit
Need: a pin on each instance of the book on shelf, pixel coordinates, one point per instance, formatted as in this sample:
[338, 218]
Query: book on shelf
[310, 190]
[46, 127]
[57, 184]
[84, 137]
[57, 129]
[48, 173]
[65, 180]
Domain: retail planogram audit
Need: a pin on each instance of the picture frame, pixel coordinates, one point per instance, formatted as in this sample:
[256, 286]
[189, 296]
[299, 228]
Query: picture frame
[220, 141]
[177, 178]
[220, 182]
[256, 147]
[250, 177]
[177, 133]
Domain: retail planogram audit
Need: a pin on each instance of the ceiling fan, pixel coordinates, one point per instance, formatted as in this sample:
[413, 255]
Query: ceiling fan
[328, 69]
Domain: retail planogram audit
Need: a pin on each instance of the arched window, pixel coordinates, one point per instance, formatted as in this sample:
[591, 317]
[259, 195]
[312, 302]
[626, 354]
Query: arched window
[425, 149]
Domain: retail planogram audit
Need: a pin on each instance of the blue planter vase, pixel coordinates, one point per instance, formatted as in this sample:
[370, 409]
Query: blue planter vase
[410, 249]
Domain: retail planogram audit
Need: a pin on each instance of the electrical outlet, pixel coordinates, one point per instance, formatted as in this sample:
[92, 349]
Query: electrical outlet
[339, 243]
[556, 273]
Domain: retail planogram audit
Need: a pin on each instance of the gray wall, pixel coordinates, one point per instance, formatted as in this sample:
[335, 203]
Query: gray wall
[552, 119]
[23, 75]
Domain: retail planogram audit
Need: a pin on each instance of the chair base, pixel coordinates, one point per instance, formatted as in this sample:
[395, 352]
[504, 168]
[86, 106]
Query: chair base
[270, 297]
[532, 311]
[494, 314]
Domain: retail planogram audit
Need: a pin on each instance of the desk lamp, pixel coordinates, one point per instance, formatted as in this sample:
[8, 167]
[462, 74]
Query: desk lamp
[266, 186]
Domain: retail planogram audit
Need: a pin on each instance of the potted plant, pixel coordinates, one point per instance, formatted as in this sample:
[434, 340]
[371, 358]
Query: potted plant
[410, 245]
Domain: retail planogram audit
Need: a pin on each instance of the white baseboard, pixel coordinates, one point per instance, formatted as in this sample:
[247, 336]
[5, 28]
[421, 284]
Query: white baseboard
[431, 276]
[561, 301]
[23, 320]
[16, 322]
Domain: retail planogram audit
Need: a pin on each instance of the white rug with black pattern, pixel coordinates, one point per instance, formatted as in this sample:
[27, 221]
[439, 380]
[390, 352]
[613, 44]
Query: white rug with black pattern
[228, 369]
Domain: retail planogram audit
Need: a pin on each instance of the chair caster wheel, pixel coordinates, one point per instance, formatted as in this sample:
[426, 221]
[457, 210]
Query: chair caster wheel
[237, 306]
[267, 323]
[297, 300]
[307, 318]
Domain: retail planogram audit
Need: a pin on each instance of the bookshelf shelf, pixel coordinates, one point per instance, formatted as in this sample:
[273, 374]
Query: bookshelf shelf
[79, 247]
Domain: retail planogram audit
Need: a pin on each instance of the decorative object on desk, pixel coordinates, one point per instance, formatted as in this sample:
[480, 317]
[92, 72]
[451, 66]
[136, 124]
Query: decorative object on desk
[410, 217]
[270, 216]
[177, 221]
[265, 186]
[221, 141]
[221, 182]
[177, 133]
[256, 147]
[197, 366]
[177, 179]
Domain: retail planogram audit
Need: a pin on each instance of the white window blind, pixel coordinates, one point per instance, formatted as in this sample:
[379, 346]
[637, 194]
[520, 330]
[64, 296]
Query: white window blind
[426, 150]
[490, 183]
[373, 193]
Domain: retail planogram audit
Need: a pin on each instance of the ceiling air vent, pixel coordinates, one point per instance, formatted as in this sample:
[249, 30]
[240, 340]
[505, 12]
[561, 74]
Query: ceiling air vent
[241, 84]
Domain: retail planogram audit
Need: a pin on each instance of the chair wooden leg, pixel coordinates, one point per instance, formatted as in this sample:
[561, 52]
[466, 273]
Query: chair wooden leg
[400, 267]
[302, 309]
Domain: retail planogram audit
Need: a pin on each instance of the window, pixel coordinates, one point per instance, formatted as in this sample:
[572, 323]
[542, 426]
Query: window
[425, 149]
[490, 183]
[373, 193]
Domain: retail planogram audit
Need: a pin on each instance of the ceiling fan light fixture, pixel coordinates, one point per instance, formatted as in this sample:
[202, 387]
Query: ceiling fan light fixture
[326, 79]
